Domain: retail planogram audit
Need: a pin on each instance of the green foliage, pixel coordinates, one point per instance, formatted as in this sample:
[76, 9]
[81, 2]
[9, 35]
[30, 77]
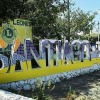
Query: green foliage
[71, 95]
[41, 89]
[82, 21]
[79, 21]
[12, 8]
[49, 17]
[91, 37]
[42, 13]
[44, 17]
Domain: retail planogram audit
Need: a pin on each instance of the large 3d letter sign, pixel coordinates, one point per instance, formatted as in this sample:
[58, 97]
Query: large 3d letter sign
[54, 56]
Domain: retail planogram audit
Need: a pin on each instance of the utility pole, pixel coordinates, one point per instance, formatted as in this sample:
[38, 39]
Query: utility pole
[68, 9]
[98, 30]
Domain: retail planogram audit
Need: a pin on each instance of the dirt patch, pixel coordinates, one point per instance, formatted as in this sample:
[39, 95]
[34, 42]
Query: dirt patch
[82, 85]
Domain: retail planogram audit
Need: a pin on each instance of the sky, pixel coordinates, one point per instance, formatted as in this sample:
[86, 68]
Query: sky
[89, 5]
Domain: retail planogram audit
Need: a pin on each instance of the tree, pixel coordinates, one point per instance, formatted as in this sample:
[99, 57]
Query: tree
[12, 8]
[42, 13]
[82, 21]
[45, 16]
[79, 21]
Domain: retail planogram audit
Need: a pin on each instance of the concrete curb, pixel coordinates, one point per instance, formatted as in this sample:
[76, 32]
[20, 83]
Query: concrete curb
[5, 95]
